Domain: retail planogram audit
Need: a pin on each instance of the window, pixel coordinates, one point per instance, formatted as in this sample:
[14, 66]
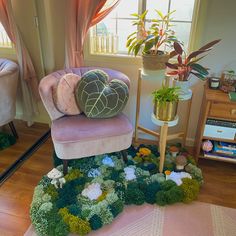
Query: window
[109, 36]
[5, 42]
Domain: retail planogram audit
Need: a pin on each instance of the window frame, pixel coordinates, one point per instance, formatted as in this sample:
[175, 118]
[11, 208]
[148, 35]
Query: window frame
[131, 59]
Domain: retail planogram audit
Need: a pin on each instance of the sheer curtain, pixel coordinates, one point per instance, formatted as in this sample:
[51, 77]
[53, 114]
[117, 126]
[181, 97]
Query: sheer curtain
[28, 79]
[80, 16]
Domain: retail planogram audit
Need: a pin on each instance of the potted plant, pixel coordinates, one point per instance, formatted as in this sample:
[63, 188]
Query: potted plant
[166, 103]
[187, 64]
[151, 40]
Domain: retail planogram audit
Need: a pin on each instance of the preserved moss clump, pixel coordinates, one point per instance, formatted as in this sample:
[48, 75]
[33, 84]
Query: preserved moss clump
[95, 222]
[76, 224]
[190, 188]
[134, 195]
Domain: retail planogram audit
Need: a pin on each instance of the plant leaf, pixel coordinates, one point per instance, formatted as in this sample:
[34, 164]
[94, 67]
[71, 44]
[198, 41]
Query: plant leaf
[200, 69]
[210, 45]
[178, 48]
[200, 76]
[180, 59]
[172, 66]
[196, 53]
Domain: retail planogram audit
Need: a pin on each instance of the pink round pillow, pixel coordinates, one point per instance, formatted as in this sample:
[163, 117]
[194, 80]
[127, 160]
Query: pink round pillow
[63, 94]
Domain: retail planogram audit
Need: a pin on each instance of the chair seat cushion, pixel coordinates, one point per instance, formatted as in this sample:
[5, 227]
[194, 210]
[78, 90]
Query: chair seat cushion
[81, 128]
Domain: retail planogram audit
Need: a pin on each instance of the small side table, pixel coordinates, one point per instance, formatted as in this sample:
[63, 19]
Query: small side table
[163, 137]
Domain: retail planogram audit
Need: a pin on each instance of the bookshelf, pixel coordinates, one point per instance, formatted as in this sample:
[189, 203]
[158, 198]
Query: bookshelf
[215, 105]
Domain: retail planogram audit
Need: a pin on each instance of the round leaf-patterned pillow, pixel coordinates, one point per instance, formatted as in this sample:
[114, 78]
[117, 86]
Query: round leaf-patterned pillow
[99, 98]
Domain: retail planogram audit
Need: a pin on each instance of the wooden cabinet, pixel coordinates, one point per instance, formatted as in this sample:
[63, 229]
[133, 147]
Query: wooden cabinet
[217, 105]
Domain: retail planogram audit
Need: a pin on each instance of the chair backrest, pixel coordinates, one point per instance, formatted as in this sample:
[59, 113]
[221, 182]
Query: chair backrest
[47, 84]
[9, 72]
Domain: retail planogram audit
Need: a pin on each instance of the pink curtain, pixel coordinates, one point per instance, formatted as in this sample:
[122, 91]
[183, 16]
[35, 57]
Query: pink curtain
[28, 79]
[80, 16]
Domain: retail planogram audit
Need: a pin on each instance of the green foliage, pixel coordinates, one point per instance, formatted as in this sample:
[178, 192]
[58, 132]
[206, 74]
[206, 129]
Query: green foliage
[187, 63]
[195, 172]
[116, 208]
[52, 191]
[167, 185]
[190, 188]
[6, 140]
[161, 198]
[150, 40]
[95, 222]
[73, 174]
[166, 94]
[191, 160]
[75, 209]
[134, 195]
[170, 196]
[76, 224]
[151, 191]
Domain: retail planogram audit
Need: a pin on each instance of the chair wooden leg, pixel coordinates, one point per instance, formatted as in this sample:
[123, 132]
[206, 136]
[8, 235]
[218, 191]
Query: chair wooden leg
[13, 130]
[124, 155]
[65, 167]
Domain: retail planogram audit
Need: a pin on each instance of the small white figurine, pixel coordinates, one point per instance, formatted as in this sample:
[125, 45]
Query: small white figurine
[178, 176]
[129, 173]
[56, 177]
[93, 191]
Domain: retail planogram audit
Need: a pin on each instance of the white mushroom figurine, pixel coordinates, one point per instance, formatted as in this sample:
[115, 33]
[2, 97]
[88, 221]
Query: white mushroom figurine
[56, 177]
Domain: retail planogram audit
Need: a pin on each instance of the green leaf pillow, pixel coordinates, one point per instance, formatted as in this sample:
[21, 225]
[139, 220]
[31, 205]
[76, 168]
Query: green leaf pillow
[99, 98]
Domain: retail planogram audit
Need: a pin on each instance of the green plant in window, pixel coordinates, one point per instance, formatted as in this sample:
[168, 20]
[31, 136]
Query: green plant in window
[149, 40]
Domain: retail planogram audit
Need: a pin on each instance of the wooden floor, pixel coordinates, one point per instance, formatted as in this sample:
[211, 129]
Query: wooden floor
[16, 193]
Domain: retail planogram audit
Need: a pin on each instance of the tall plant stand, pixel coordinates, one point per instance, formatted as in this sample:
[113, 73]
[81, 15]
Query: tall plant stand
[163, 137]
[164, 126]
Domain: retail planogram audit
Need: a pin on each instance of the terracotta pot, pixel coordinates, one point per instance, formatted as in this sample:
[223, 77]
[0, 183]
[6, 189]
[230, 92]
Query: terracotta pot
[165, 111]
[155, 62]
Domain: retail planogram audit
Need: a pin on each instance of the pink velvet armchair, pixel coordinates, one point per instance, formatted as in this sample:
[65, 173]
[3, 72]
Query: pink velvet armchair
[9, 71]
[77, 136]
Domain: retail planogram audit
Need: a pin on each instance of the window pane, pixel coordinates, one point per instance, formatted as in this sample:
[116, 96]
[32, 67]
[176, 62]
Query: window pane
[4, 40]
[182, 32]
[124, 9]
[161, 5]
[184, 9]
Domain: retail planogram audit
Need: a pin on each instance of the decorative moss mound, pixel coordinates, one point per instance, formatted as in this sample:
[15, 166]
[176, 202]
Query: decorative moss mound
[96, 189]
[6, 140]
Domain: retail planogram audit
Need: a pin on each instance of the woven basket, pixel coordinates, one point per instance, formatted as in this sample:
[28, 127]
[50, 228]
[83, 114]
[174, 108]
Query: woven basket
[155, 62]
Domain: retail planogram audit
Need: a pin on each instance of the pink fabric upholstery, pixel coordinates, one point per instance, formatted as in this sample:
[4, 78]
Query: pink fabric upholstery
[9, 72]
[80, 128]
[78, 136]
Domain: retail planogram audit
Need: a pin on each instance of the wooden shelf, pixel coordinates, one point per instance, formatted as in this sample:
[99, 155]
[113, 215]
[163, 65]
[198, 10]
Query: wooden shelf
[219, 139]
[225, 159]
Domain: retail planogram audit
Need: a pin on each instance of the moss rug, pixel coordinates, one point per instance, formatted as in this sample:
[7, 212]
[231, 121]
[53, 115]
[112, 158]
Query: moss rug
[96, 189]
[6, 140]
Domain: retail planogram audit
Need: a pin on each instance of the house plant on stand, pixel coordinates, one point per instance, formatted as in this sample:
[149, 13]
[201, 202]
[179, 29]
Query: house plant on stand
[166, 103]
[152, 41]
[187, 64]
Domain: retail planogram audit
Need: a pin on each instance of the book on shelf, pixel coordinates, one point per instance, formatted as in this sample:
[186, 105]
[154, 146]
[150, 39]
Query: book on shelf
[224, 148]
[217, 155]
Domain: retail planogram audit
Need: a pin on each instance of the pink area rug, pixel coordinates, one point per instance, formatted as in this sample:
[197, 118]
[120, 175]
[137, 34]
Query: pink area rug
[195, 219]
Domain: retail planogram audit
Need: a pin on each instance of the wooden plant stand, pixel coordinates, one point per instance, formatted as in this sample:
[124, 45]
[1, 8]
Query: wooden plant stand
[163, 136]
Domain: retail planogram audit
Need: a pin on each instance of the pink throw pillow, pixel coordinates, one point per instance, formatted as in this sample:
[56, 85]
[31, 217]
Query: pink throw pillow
[63, 94]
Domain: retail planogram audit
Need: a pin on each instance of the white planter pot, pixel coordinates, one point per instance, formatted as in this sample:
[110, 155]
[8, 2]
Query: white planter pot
[185, 92]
